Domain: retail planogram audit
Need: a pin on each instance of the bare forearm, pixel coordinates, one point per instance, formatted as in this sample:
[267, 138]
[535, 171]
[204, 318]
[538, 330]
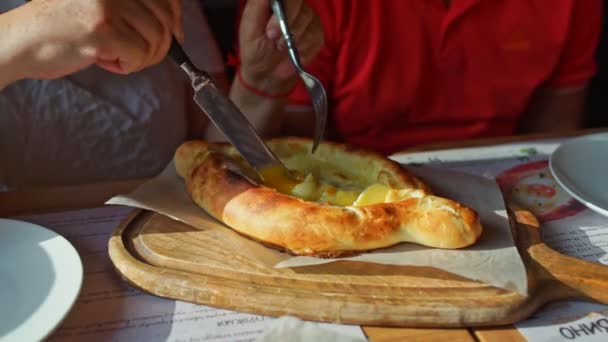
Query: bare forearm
[53, 38]
[555, 110]
[14, 40]
[7, 75]
[265, 114]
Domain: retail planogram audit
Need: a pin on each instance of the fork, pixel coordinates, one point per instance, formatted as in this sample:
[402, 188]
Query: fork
[313, 85]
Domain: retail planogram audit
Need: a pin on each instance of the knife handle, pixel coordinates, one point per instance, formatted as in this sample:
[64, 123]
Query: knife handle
[180, 57]
[178, 54]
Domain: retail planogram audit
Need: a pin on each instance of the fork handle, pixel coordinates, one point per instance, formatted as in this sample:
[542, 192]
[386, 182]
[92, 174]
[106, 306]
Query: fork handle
[279, 10]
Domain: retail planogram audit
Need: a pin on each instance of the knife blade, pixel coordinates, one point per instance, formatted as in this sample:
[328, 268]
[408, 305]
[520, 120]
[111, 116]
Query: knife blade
[225, 115]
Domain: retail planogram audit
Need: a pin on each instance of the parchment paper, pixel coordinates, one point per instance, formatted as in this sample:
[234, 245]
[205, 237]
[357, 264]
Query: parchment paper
[293, 329]
[493, 259]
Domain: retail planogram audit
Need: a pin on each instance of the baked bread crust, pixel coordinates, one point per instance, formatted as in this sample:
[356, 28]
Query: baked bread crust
[220, 184]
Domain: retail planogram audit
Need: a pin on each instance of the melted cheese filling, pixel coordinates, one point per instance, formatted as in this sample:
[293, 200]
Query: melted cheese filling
[309, 188]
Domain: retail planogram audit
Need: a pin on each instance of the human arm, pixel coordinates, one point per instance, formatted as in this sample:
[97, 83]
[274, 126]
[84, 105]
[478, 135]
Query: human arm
[48, 39]
[265, 76]
[555, 110]
[265, 114]
[559, 104]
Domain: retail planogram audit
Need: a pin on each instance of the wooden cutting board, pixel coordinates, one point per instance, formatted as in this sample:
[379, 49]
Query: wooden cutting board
[170, 259]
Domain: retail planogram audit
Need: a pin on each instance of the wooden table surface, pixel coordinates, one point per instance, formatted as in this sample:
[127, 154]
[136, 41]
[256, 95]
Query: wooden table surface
[53, 199]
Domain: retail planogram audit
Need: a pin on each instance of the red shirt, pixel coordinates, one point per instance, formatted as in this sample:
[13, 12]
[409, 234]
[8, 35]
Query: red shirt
[406, 72]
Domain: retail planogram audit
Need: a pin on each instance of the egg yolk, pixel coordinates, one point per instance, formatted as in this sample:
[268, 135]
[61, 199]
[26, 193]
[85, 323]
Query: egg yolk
[278, 177]
[307, 187]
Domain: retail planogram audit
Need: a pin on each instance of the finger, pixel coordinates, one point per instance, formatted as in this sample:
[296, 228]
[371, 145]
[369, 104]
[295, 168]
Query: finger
[303, 24]
[146, 48]
[178, 26]
[146, 23]
[310, 53]
[298, 16]
[281, 45]
[292, 10]
[111, 66]
[124, 47]
[164, 46]
[273, 30]
[254, 19]
[311, 43]
[163, 12]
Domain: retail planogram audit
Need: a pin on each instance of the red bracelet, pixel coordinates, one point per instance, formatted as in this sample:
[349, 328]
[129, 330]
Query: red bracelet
[259, 92]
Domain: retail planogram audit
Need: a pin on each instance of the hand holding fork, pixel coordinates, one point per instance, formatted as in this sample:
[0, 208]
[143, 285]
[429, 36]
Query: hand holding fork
[265, 62]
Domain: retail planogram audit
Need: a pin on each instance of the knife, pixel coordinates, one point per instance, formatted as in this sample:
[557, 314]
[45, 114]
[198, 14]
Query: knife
[224, 114]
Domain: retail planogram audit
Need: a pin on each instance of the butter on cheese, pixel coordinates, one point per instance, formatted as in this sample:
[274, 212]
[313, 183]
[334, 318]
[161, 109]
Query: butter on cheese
[310, 188]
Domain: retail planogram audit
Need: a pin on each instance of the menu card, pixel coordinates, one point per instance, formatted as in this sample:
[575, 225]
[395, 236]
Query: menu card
[522, 170]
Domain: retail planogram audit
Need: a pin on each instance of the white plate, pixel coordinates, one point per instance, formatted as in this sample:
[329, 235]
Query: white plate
[580, 166]
[40, 278]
